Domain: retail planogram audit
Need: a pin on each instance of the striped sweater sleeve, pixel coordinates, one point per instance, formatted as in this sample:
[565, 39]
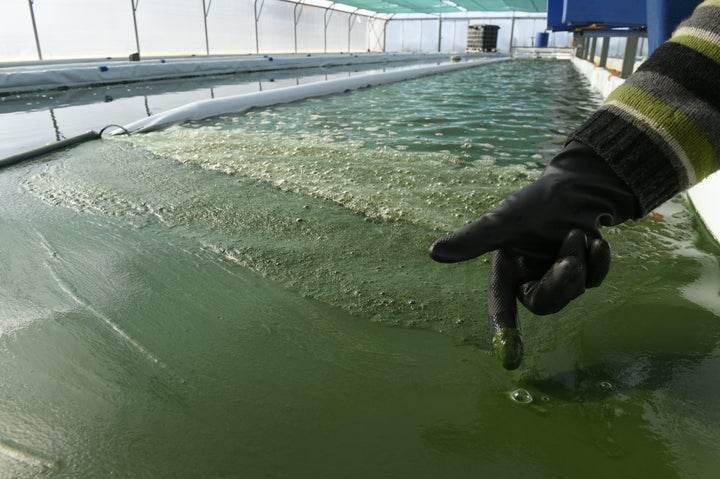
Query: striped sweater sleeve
[660, 131]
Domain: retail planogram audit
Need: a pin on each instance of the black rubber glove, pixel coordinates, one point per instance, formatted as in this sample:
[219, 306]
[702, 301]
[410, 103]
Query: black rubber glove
[546, 241]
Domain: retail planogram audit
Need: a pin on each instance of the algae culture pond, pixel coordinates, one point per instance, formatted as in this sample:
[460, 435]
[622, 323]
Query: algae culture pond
[250, 296]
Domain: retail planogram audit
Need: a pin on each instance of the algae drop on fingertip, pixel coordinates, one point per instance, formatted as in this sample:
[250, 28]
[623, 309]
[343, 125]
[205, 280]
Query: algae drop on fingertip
[508, 347]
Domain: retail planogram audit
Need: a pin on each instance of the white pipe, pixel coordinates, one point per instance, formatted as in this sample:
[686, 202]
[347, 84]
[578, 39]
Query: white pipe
[241, 103]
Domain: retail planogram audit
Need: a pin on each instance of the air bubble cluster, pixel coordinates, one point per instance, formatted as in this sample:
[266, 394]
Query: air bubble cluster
[521, 396]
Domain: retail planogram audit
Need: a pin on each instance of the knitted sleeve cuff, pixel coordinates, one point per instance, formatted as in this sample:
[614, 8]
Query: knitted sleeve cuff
[640, 163]
[660, 131]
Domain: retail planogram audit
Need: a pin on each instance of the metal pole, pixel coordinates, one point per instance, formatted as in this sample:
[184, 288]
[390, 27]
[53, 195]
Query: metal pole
[326, 21]
[629, 58]
[512, 33]
[385, 33]
[381, 40]
[604, 52]
[372, 25]
[439, 33]
[206, 12]
[296, 20]
[37, 38]
[134, 6]
[588, 48]
[351, 22]
[257, 19]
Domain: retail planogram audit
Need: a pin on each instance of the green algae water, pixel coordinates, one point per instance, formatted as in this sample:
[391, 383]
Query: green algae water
[250, 296]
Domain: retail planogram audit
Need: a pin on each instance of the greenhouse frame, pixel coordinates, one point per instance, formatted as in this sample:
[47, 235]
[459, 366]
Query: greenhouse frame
[73, 29]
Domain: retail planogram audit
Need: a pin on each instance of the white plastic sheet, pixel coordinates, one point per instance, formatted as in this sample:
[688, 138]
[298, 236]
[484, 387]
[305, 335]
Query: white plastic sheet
[49, 76]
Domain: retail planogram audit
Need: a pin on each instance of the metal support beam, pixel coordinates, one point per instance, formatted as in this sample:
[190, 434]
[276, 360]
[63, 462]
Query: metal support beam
[439, 33]
[296, 20]
[604, 52]
[593, 46]
[373, 29]
[326, 22]
[512, 33]
[351, 22]
[384, 49]
[134, 6]
[258, 12]
[579, 43]
[612, 33]
[629, 59]
[35, 30]
[478, 17]
[206, 11]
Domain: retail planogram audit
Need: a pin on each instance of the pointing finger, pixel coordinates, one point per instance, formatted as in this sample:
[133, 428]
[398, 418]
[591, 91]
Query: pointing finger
[502, 310]
[472, 240]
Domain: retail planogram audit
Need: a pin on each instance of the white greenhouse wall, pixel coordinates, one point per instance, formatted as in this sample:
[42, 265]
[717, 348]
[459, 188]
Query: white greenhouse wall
[159, 22]
[229, 26]
[81, 29]
[413, 35]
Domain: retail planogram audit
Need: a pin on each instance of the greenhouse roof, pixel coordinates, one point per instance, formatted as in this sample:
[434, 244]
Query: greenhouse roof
[448, 6]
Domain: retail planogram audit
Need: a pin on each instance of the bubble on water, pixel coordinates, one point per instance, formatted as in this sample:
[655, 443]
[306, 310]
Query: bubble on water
[521, 396]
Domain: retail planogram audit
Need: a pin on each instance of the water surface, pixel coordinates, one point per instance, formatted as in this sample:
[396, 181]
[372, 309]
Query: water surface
[250, 295]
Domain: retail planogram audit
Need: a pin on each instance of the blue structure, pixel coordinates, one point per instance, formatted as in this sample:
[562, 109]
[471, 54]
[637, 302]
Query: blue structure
[654, 18]
[572, 14]
[663, 16]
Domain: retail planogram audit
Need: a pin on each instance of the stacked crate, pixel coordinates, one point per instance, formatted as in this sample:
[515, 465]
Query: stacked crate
[482, 38]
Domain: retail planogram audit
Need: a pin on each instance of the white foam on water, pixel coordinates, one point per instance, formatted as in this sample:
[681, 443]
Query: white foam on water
[440, 190]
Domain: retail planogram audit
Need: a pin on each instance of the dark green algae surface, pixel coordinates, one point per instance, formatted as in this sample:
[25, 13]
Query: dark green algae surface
[250, 296]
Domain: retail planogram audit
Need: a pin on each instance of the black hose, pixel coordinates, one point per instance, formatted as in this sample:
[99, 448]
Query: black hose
[116, 126]
[49, 148]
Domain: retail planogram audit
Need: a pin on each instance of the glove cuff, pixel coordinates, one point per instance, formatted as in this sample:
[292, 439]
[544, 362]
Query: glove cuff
[595, 186]
[639, 163]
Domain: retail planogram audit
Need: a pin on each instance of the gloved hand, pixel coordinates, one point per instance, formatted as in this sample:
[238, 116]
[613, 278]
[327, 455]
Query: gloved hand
[546, 241]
